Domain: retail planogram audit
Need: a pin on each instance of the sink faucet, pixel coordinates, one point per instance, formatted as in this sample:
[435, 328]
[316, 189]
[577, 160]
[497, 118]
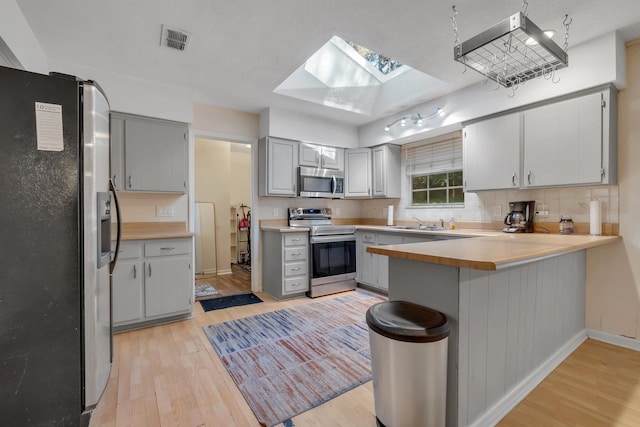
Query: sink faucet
[441, 223]
[418, 219]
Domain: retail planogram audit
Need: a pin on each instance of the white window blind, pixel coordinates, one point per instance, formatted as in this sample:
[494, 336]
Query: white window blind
[425, 157]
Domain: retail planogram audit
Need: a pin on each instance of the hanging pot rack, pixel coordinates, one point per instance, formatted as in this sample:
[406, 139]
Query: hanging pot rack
[512, 51]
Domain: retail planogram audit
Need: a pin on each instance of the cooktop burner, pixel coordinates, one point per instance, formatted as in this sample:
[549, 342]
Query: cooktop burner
[318, 220]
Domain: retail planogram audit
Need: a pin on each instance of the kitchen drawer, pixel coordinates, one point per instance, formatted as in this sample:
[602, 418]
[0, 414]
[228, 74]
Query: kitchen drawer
[295, 254]
[369, 237]
[167, 247]
[127, 250]
[295, 269]
[389, 239]
[296, 284]
[295, 239]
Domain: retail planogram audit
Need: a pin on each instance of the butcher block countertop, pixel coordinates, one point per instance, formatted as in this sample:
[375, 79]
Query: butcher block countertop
[283, 229]
[152, 230]
[492, 252]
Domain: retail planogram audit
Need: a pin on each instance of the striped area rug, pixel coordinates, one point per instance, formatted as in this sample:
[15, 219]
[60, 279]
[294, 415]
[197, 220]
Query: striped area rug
[289, 361]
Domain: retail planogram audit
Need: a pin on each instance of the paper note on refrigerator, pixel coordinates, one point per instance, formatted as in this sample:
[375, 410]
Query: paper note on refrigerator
[49, 127]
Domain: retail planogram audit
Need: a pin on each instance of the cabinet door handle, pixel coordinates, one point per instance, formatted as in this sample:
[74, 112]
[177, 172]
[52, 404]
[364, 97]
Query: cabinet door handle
[369, 191]
[135, 272]
[513, 179]
[149, 270]
[317, 159]
[296, 254]
[529, 177]
[115, 181]
[168, 248]
[295, 240]
[130, 181]
[295, 269]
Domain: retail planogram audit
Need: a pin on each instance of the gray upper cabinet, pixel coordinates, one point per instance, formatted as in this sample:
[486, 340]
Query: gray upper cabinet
[491, 154]
[148, 155]
[357, 173]
[386, 171]
[321, 156]
[572, 141]
[568, 142]
[117, 152]
[277, 163]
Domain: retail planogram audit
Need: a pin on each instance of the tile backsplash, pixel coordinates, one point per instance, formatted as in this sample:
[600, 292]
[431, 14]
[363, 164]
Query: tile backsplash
[488, 206]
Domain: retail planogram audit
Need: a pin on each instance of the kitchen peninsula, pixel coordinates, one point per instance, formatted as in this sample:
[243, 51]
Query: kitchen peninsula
[516, 304]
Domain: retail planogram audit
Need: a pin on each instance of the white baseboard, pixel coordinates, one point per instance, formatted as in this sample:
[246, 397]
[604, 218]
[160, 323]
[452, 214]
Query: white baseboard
[223, 272]
[210, 271]
[613, 339]
[509, 401]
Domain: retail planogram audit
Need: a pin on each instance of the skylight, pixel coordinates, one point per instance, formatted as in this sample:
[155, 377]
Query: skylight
[347, 76]
[384, 64]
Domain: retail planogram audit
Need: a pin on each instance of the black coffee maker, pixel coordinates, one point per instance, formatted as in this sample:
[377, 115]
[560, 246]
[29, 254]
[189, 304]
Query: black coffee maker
[520, 219]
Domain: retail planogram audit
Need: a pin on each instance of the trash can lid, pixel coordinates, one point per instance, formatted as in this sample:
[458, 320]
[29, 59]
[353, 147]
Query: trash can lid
[406, 321]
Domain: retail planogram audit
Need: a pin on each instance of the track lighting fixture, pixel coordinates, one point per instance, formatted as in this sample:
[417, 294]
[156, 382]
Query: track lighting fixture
[417, 119]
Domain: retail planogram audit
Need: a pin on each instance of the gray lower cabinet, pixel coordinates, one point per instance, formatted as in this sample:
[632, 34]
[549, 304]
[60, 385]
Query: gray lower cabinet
[285, 263]
[373, 270]
[152, 282]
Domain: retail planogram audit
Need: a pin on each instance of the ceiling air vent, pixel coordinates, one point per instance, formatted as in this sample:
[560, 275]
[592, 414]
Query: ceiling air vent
[175, 38]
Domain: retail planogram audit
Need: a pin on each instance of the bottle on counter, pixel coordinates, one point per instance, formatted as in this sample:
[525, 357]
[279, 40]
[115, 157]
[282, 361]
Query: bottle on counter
[566, 224]
[452, 223]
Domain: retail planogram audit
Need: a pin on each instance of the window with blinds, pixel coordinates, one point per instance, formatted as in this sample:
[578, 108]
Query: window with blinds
[434, 170]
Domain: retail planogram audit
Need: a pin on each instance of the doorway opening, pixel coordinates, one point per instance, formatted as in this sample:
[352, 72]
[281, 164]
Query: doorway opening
[222, 186]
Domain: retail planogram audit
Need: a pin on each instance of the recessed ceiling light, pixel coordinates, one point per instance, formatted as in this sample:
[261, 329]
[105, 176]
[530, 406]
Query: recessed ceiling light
[530, 41]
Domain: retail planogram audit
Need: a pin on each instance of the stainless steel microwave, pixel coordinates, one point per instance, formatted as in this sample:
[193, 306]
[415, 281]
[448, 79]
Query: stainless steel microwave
[315, 182]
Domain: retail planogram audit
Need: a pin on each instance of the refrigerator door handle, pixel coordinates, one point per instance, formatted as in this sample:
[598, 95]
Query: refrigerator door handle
[112, 264]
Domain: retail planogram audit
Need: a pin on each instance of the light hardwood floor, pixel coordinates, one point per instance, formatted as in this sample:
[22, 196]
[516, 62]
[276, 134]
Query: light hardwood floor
[169, 375]
[238, 282]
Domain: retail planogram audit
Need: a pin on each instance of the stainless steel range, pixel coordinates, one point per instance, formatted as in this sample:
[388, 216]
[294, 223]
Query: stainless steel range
[332, 258]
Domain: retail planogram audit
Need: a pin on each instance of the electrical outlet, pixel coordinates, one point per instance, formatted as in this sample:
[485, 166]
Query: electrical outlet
[385, 211]
[497, 211]
[276, 212]
[336, 211]
[542, 214]
[164, 211]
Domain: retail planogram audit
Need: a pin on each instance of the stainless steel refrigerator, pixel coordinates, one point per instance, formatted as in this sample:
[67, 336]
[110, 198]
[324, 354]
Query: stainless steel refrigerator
[55, 243]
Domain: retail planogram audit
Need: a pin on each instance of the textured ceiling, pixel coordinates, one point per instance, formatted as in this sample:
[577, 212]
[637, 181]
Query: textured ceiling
[242, 50]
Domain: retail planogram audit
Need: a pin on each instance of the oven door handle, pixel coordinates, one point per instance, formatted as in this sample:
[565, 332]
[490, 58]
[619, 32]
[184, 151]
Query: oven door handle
[333, 238]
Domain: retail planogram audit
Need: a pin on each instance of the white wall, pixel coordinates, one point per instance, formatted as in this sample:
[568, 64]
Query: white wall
[613, 271]
[212, 171]
[303, 127]
[240, 176]
[136, 96]
[141, 207]
[591, 64]
[17, 36]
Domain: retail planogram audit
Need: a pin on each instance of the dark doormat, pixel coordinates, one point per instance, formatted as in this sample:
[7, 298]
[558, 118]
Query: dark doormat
[230, 301]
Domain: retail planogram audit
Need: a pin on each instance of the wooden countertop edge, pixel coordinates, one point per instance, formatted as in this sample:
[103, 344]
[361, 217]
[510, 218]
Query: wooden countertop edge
[284, 229]
[539, 251]
[148, 236]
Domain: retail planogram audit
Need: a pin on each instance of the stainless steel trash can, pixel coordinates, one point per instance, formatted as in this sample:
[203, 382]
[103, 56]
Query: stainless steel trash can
[409, 363]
